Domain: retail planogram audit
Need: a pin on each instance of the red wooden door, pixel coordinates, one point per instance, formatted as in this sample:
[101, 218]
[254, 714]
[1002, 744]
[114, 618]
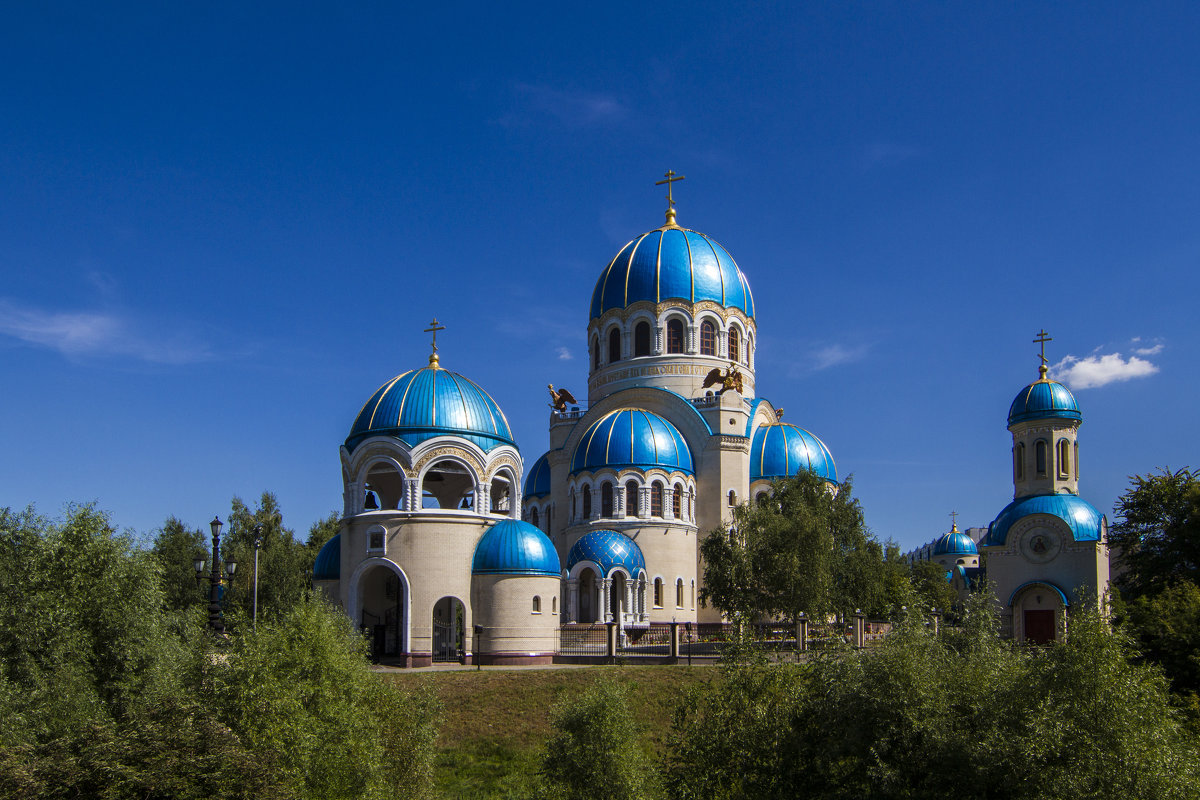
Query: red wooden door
[1039, 627]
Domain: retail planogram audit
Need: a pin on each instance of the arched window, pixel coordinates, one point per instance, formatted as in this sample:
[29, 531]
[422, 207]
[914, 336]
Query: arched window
[1039, 455]
[735, 344]
[537, 604]
[674, 336]
[693, 595]
[587, 502]
[571, 506]
[641, 339]
[631, 498]
[614, 345]
[533, 518]
[708, 339]
[677, 502]
[606, 499]
[1019, 461]
[658, 592]
[1064, 458]
[679, 592]
[595, 353]
[1077, 461]
[732, 497]
[553, 605]
[656, 493]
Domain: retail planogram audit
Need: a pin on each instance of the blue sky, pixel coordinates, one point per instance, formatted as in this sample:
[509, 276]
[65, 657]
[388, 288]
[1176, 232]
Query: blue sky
[223, 227]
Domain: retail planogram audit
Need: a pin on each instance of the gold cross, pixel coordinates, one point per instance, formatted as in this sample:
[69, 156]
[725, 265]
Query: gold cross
[434, 328]
[671, 177]
[953, 521]
[1043, 337]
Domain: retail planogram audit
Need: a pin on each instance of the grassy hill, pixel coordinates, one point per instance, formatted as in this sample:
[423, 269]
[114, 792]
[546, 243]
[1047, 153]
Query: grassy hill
[495, 720]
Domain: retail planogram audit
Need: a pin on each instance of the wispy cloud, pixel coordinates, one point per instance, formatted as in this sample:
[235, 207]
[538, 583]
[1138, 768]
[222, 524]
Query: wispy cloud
[563, 354]
[570, 107]
[836, 354]
[78, 334]
[1099, 369]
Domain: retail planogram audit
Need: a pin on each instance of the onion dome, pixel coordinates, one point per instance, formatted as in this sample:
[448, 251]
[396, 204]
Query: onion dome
[537, 479]
[1043, 399]
[955, 543]
[781, 450]
[1086, 523]
[672, 263]
[632, 437]
[513, 547]
[428, 402]
[607, 550]
[328, 566]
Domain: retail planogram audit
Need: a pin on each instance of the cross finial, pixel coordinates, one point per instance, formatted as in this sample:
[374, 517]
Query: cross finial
[1043, 337]
[670, 177]
[954, 522]
[433, 328]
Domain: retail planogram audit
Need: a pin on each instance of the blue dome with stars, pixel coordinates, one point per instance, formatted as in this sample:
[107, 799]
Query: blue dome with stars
[513, 547]
[781, 450]
[672, 263]
[608, 550]
[632, 437]
[1043, 399]
[537, 478]
[428, 402]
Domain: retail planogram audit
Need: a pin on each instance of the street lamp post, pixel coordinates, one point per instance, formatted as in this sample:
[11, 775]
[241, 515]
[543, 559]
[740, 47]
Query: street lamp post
[216, 620]
[257, 546]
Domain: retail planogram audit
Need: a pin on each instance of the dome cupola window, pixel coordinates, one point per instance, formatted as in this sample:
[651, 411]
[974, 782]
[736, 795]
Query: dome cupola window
[631, 498]
[734, 345]
[641, 339]
[656, 499]
[606, 499]
[675, 335]
[708, 339]
[614, 345]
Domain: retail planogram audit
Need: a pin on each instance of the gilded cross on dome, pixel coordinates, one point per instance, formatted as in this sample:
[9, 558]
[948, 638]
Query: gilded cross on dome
[433, 328]
[953, 521]
[1043, 337]
[671, 177]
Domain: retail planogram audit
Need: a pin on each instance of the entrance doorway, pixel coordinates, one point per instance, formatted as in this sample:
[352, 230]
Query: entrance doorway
[448, 623]
[587, 594]
[1039, 626]
[381, 616]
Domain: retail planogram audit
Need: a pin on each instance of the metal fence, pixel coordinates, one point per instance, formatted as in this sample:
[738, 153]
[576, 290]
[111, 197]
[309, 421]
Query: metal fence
[582, 640]
[654, 640]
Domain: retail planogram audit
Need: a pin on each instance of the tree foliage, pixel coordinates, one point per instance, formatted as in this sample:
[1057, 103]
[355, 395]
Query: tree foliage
[961, 715]
[930, 586]
[802, 549]
[284, 569]
[1157, 532]
[176, 547]
[594, 750]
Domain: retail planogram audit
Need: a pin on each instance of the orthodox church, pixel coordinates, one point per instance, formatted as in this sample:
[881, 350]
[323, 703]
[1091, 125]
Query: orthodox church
[451, 547]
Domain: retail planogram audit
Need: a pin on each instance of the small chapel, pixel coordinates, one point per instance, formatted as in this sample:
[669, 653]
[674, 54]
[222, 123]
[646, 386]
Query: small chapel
[452, 548]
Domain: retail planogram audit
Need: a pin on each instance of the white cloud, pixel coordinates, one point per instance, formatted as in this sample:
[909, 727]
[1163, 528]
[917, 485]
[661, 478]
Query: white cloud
[92, 333]
[1148, 351]
[1100, 369]
[563, 354]
[836, 354]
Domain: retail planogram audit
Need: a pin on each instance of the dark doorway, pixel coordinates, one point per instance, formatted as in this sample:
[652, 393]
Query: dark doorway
[448, 626]
[1039, 627]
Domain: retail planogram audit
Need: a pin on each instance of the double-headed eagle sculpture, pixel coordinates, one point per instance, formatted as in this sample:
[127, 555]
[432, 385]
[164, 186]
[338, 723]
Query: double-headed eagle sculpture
[730, 378]
[561, 398]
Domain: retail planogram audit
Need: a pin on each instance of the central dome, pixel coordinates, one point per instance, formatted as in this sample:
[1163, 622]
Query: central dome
[672, 263]
[632, 437]
[428, 402]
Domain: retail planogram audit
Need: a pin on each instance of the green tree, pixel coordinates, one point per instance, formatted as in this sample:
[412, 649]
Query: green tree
[1156, 534]
[283, 571]
[593, 751]
[804, 548]
[319, 533]
[176, 547]
[931, 587]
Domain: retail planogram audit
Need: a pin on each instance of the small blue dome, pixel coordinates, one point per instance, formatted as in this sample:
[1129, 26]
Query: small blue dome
[608, 549]
[672, 263]
[328, 566]
[780, 450]
[632, 437]
[428, 402]
[513, 547]
[1086, 523]
[955, 543]
[1043, 399]
[537, 478]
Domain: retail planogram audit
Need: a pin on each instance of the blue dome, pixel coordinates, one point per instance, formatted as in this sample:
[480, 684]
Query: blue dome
[537, 478]
[328, 566]
[1086, 523]
[513, 547]
[608, 549]
[1044, 399]
[428, 402]
[632, 437]
[780, 450]
[955, 543]
[672, 263]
